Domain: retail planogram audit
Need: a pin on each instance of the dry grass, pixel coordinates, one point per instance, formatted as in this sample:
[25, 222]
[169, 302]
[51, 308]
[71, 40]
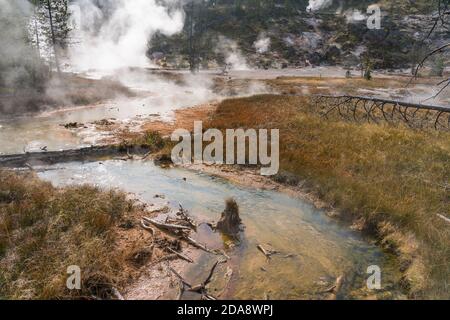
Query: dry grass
[43, 230]
[392, 180]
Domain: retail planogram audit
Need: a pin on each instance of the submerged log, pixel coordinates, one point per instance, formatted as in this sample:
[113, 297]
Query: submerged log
[201, 288]
[198, 245]
[230, 222]
[51, 157]
[268, 253]
[336, 288]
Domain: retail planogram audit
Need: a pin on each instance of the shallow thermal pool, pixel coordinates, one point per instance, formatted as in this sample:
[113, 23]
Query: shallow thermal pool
[315, 249]
[31, 133]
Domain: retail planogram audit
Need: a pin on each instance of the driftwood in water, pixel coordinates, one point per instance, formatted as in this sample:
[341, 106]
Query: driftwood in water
[208, 279]
[198, 245]
[183, 283]
[51, 157]
[230, 222]
[201, 288]
[334, 290]
[177, 230]
[166, 226]
[268, 253]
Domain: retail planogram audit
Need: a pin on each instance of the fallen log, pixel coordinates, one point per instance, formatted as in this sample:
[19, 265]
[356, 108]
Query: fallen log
[197, 245]
[52, 157]
[389, 101]
[166, 226]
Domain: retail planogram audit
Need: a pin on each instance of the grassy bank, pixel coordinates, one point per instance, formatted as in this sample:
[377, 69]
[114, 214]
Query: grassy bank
[391, 181]
[44, 229]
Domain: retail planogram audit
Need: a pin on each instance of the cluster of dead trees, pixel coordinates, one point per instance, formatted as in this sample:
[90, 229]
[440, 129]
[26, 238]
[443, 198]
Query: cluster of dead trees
[441, 19]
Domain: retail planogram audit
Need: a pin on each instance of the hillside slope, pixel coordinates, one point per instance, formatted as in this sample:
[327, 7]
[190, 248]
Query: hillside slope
[284, 33]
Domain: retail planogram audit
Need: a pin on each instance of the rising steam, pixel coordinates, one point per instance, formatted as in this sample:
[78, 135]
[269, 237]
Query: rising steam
[315, 5]
[233, 56]
[262, 44]
[16, 56]
[112, 34]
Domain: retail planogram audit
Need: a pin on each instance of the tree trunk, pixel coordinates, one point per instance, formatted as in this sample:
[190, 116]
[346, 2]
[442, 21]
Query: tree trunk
[55, 51]
[230, 222]
[38, 46]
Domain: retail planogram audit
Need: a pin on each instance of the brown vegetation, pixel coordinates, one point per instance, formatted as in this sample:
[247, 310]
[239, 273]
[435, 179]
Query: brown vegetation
[44, 230]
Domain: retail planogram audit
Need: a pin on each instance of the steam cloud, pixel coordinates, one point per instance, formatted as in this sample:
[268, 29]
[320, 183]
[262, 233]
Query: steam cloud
[315, 5]
[353, 16]
[232, 54]
[262, 44]
[114, 33]
[15, 53]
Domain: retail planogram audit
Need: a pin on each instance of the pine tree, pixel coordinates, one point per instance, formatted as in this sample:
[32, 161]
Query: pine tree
[54, 21]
